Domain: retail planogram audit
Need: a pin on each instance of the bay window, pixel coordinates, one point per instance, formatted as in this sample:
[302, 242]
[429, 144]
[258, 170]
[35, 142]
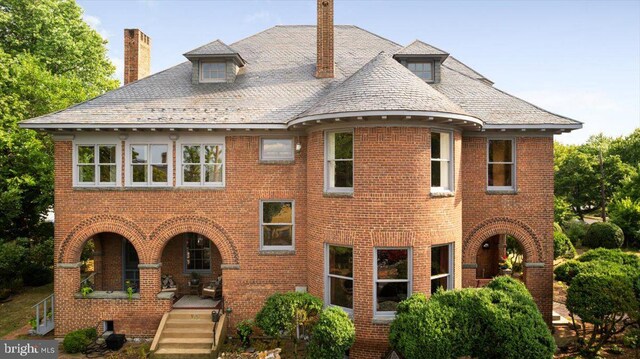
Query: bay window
[441, 161]
[339, 161]
[441, 267]
[392, 278]
[339, 276]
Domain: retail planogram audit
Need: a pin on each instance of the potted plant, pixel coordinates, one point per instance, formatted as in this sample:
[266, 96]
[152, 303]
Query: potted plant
[130, 289]
[195, 278]
[505, 266]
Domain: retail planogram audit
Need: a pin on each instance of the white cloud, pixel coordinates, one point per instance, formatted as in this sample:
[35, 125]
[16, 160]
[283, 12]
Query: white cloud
[96, 24]
[119, 74]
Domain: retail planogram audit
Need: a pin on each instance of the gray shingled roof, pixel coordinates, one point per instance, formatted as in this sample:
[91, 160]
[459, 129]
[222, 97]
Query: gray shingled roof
[278, 85]
[383, 84]
[215, 47]
[420, 48]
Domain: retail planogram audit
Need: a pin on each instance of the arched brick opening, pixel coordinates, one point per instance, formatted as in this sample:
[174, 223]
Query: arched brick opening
[193, 224]
[533, 251]
[72, 246]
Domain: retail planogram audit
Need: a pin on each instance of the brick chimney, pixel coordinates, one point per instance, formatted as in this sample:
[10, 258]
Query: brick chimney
[137, 55]
[324, 65]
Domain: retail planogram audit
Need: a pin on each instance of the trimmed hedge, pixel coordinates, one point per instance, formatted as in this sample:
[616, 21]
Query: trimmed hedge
[458, 323]
[77, 341]
[576, 230]
[278, 315]
[562, 246]
[604, 235]
[332, 335]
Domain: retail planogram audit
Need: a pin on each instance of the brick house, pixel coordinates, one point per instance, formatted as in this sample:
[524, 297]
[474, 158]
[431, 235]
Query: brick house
[372, 172]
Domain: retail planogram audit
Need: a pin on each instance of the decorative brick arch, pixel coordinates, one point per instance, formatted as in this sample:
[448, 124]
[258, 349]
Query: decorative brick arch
[194, 224]
[71, 247]
[530, 242]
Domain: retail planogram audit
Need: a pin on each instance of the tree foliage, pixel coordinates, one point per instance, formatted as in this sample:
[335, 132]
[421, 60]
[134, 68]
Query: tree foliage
[453, 324]
[49, 59]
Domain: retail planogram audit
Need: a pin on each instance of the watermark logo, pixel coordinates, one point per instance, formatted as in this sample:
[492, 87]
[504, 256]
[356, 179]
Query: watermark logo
[41, 349]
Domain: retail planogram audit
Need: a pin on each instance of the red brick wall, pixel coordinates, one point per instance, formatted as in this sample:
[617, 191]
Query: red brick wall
[391, 206]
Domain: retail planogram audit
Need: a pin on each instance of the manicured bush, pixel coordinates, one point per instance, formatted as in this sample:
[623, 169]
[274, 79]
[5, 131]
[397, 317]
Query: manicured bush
[610, 255]
[332, 335]
[604, 235]
[576, 230]
[605, 300]
[244, 330]
[77, 341]
[459, 323]
[283, 312]
[562, 246]
[12, 257]
[626, 214]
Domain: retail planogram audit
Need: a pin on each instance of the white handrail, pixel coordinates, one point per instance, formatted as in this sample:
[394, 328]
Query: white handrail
[48, 322]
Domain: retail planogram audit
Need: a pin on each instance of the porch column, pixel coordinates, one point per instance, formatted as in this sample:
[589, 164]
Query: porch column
[502, 245]
[150, 283]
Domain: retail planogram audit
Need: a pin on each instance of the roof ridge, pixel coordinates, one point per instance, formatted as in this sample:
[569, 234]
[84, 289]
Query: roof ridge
[229, 48]
[376, 35]
[467, 66]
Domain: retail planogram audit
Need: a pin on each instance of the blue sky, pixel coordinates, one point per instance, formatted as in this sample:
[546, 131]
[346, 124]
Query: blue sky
[577, 58]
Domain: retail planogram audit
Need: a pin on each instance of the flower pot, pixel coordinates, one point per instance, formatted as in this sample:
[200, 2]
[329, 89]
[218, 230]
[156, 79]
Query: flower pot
[194, 281]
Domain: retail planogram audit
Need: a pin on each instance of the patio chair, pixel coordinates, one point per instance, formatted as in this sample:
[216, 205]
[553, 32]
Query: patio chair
[213, 290]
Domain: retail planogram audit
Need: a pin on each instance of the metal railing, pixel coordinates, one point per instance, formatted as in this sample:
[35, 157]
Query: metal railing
[89, 278]
[45, 315]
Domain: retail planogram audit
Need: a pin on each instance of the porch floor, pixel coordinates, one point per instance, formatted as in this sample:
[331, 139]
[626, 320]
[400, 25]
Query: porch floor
[195, 302]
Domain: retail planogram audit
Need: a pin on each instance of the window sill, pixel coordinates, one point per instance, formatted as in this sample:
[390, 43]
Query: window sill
[166, 295]
[151, 188]
[383, 319]
[502, 192]
[276, 162]
[443, 194]
[276, 252]
[329, 194]
[107, 295]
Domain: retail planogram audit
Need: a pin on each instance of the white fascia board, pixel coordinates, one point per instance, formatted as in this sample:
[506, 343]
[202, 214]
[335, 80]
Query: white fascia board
[447, 115]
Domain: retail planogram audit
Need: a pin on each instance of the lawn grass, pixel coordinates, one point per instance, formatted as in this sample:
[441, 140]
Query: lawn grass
[17, 312]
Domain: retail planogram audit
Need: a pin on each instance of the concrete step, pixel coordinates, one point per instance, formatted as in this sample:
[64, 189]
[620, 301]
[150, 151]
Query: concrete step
[189, 323]
[187, 333]
[186, 343]
[178, 353]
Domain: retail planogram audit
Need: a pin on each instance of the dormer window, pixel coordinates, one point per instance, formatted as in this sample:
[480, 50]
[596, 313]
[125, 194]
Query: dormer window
[213, 71]
[423, 70]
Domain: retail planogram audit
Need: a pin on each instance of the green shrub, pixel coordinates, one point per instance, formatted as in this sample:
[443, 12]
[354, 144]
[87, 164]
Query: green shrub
[460, 323]
[612, 256]
[557, 227]
[604, 235]
[283, 312]
[631, 338]
[576, 230]
[626, 214]
[562, 246]
[12, 257]
[36, 275]
[77, 341]
[604, 300]
[244, 330]
[332, 335]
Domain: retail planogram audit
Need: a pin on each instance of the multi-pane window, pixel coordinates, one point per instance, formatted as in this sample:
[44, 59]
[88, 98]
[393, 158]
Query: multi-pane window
[339, 157]
[96, 164]
[501, 164]
[441, 155]
[149, 164]
[339, 262]
[441, 267]
[273, 149]
[213, 71]
[197, 250]
[392, 278]
[276, 225]
[203, 164]
[423, 70]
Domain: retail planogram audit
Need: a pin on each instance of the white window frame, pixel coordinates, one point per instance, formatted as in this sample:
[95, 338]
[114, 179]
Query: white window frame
[431, 64]
[409, 280]
[327, 160]
[205, 80]
[200, 141]
[142, 141]
[292, 247]
[450, 277]
[512, 163]
[96, 142]
[328, 276]
[451, 161]
[290, 156]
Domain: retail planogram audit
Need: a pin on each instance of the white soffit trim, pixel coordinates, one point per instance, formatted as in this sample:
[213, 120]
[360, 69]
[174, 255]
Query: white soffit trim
[444, 115]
